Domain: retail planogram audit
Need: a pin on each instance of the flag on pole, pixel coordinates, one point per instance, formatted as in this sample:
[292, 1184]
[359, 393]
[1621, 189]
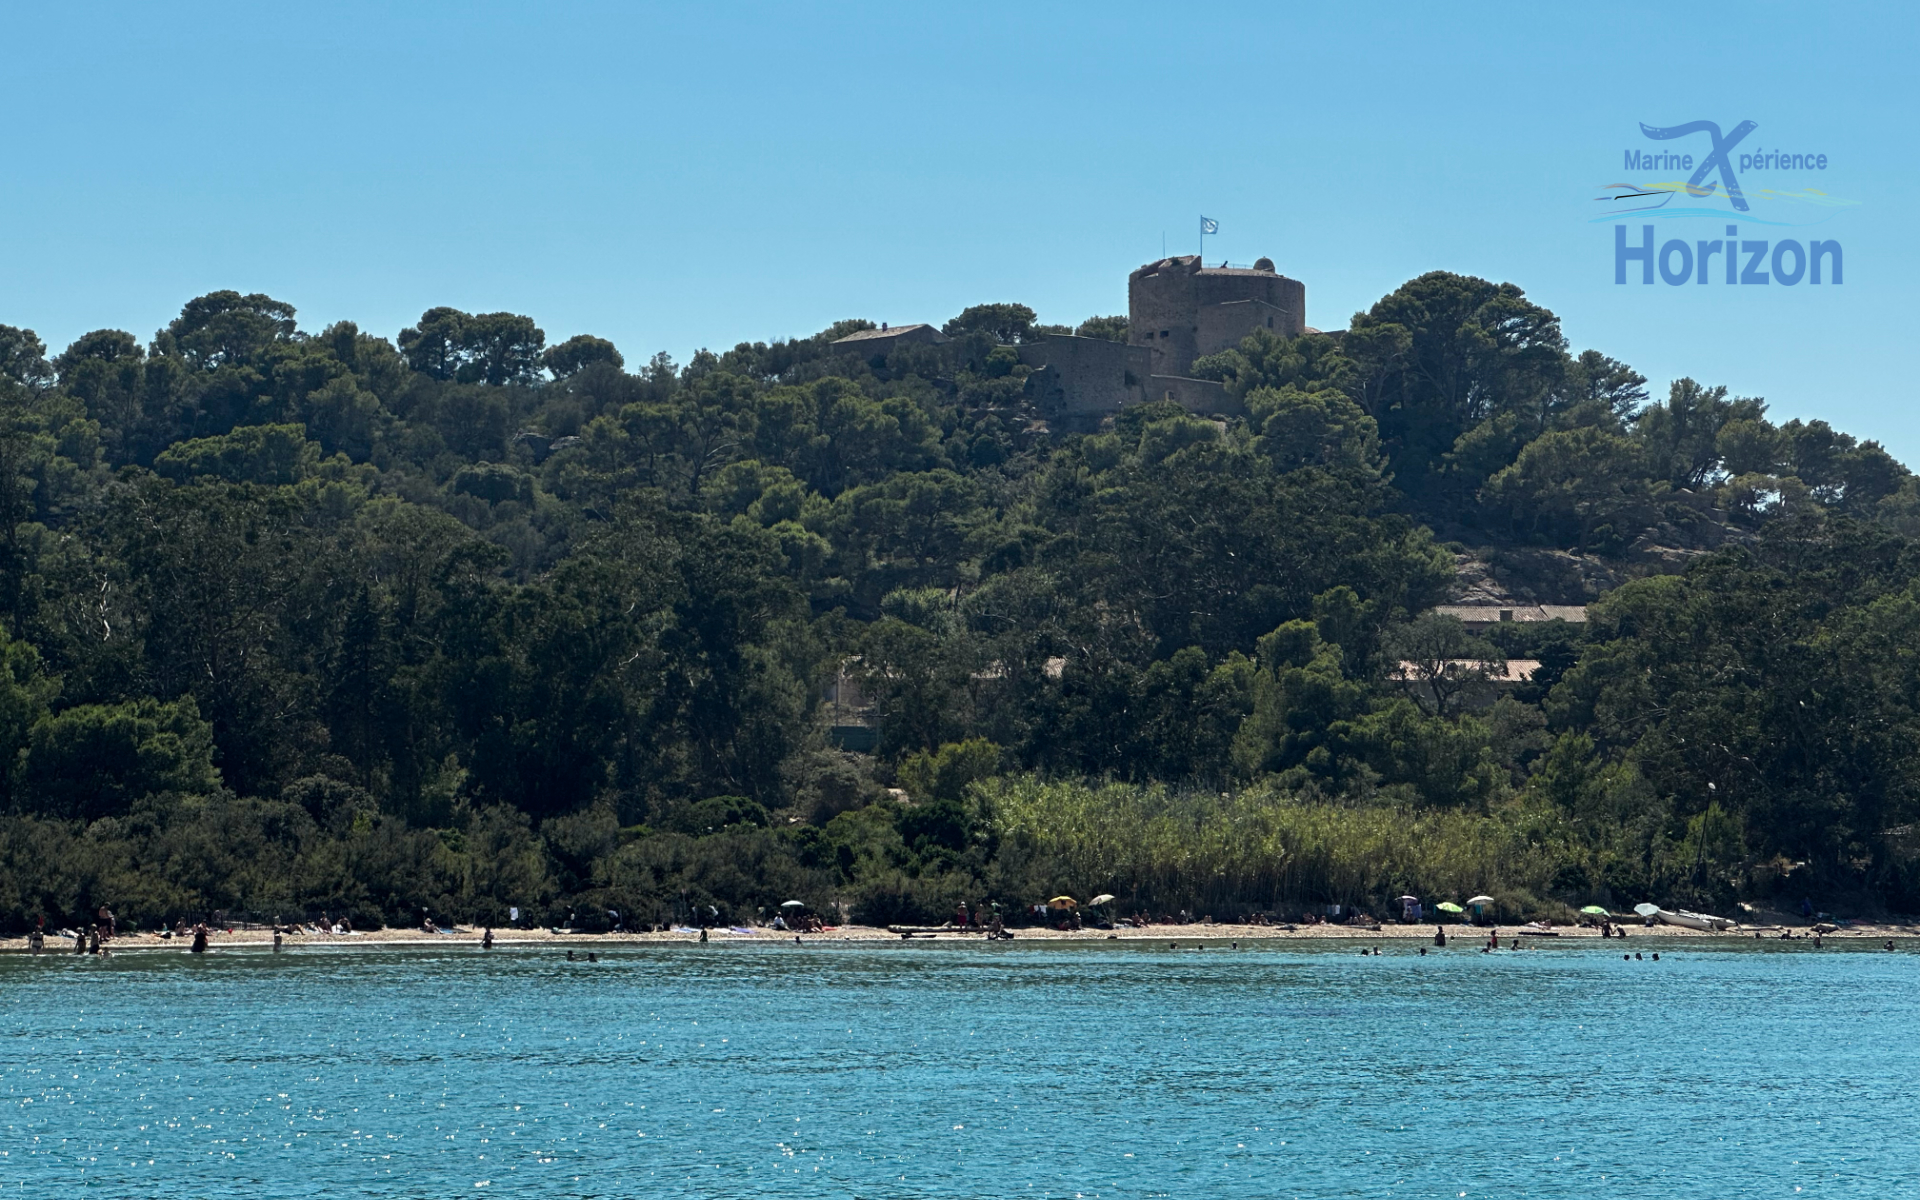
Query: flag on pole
[1209, 225]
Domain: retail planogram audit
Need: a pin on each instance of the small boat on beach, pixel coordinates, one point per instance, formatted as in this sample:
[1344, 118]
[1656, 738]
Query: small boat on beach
[1694, 920]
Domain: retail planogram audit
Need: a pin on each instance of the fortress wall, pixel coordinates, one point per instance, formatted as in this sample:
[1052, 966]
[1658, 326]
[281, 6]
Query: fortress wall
[1195, 395]
[1223, 326]
[1078, 376]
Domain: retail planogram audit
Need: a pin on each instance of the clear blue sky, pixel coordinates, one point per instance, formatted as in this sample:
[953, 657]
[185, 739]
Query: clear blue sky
[701, 175]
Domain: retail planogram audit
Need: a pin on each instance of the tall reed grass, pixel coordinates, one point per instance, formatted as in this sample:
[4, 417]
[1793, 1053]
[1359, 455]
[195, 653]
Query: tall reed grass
[1261, 848]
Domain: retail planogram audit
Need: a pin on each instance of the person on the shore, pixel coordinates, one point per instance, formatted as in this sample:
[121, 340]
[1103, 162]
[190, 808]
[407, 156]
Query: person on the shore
[703, 935]
[104, 923]
[37, 940]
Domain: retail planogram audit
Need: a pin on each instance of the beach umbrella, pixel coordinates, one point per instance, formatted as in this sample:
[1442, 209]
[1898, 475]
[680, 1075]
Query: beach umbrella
[1594, 910]
[1448, 906]
[1480, 900]
[1102, 898]
[1409, 899]
[1063, 902]
[793, 904]
[1646, 910]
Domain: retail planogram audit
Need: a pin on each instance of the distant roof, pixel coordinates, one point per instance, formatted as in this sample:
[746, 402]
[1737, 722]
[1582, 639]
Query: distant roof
[868, 335]
[1516, 670]
[1493, 613]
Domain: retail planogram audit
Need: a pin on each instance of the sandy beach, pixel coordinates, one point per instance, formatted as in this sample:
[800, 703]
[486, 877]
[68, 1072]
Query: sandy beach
[1195, 933]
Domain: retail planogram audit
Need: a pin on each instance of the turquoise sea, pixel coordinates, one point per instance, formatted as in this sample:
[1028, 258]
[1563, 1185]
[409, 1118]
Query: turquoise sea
[1023, 1069]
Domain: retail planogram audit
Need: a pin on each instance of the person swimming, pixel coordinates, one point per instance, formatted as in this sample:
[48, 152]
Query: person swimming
[200, 932]
[486, 939]
[569, 956]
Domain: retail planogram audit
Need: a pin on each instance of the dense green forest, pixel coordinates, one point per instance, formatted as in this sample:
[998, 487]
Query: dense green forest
[321, 621]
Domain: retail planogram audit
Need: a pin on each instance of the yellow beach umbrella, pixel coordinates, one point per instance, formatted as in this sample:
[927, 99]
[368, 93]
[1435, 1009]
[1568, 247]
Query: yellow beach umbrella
[1063, 902]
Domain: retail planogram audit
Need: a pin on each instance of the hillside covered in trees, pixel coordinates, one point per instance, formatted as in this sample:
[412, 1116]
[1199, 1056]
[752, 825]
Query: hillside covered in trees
[302, 621]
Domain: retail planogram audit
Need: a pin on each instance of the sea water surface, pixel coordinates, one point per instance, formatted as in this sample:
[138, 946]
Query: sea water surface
[948, 1069]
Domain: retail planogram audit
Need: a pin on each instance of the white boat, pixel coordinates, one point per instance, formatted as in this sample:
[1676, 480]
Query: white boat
[1694, 920]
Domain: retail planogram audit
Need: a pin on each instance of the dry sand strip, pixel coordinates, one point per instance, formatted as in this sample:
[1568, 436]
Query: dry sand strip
[1461, 935]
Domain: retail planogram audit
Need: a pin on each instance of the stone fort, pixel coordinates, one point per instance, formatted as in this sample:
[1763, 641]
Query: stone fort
[1178, 310]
